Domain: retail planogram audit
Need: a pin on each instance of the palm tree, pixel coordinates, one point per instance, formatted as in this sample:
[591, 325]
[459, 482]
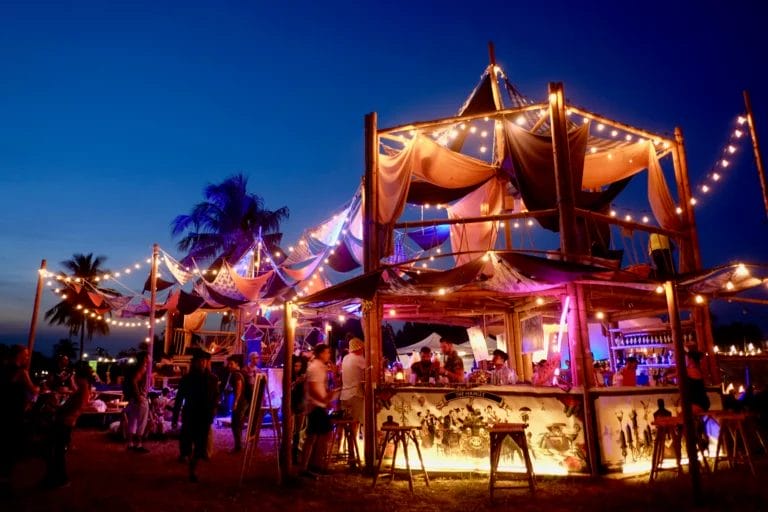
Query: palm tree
[228, 222]
[66, 312]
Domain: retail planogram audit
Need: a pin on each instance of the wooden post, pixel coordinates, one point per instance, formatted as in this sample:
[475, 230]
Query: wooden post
[286, 443]
[684, 384]
[756, 149]
[168, 338]
[563, 176]
[36, 308]
[152, 306]
[690, 255]
[371, 262]
[690, 260]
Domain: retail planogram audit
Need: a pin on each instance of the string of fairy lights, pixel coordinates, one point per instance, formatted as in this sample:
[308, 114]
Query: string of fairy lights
[444, 136]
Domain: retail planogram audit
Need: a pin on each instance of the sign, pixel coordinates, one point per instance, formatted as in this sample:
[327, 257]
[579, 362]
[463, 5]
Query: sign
[479, 346]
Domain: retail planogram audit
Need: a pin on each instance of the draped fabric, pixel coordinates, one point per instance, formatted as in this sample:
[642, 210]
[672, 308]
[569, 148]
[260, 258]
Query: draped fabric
[468, 239]
[342, 259]
[305, 269]
[662, 205]
[160, 284]
[194, 321]
[534, 174]
[249, 288]
[609, 166]
[179, 273]
[188, 303]
[172, 301]
[534, 167]
[202, 290]
[355, 246]
[430, 236]
[422, 159]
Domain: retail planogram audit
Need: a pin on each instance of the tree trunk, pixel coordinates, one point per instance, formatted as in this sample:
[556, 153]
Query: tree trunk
[82, 340]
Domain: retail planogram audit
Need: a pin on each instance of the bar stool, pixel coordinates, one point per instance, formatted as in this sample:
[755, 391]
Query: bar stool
[516, 431]
[672, 428]
[343, 431]
[732, 433]
[400, 435]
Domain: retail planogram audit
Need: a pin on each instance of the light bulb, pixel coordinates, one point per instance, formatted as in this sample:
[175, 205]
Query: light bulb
[741, 119]
[600, 127]
[715, 176]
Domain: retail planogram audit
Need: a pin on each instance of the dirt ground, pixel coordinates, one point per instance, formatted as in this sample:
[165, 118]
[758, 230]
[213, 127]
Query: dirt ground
[107, 478]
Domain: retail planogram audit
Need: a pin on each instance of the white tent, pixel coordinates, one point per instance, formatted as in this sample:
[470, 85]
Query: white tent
[432, 341]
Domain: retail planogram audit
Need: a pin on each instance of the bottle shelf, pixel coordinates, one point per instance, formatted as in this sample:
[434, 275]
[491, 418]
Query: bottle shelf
[630, 347]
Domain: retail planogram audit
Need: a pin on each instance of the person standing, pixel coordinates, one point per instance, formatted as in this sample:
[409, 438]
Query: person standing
[63, 424]
[453, 366]
[16, 393]
[352, 381]
[137, 410]
[196, 400]
[424, 369]
[241, 398]
[318, 397]
[629, 372]
[502, 374]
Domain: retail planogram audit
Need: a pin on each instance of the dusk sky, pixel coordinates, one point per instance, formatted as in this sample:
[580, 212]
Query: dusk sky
[115, 115]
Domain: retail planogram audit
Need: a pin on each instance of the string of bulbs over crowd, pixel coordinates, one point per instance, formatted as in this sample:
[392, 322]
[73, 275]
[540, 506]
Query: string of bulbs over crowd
[705, 187]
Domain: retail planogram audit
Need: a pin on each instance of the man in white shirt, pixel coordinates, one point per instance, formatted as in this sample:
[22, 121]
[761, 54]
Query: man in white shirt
[318, 396]
[352, 378]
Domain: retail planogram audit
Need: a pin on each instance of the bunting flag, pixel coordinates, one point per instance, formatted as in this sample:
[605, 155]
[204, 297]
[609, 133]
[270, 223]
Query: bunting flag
[117, 304]
[177, 270]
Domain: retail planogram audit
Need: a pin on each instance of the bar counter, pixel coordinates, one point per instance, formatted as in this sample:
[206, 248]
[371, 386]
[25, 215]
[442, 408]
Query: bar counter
[453, 423]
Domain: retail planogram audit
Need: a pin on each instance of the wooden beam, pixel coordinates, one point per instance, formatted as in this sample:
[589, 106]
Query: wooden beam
[756, 149]
[621, 126]
[629, 224]
[570, 243]
[422, 125]
[285, 457]
[472, 220]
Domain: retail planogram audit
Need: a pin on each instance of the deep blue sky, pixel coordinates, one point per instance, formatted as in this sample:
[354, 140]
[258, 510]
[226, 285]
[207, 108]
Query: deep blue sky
[114, 116]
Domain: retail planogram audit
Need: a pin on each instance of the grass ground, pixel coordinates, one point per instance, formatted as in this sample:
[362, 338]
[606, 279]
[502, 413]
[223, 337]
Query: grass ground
[107, 478]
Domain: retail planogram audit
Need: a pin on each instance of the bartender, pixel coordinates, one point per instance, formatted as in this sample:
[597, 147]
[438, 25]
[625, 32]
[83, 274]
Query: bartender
[453, 366]
[424, 369]
[502, 374]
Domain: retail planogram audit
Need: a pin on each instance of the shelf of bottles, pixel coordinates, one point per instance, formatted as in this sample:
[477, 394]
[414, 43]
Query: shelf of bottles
[653, 349]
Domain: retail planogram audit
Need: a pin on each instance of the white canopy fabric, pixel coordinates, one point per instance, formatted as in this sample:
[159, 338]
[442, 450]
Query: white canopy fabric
[432, 341]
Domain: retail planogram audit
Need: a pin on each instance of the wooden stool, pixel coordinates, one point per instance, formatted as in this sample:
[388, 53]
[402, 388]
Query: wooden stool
[400, 435]
[342, 430]
[516, 431]
[732, 432]
[666, 427]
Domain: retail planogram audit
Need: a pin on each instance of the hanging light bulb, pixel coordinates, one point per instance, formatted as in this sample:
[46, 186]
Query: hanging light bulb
[738, 133]
[741, 119]
[600, 315]
[659, 289]
[600, 127]
[715, 176]
[699, 299]
[539, 301]
[678, 210]
[614, 133]
[645, 219]
[705, 188]
[731, 149]
[520, 121]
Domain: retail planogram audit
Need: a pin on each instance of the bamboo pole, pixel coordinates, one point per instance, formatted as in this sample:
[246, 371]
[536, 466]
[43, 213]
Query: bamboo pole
[435, 123]
[629, 224]
[473, 220]
[152, 306]
[36, 307]
[286, 442]
[581, 366]
[569, 243]
[670, 289]
[621, 126]
[756, 149]
[371, 261]
[685, 199]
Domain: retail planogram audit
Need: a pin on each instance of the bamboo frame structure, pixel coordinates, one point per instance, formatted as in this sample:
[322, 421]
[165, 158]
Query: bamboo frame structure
[756, 149]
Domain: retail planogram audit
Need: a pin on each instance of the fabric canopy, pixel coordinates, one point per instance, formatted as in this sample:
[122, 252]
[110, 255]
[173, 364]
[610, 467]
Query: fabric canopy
[468, 239]
[422, 159]
[430, 236]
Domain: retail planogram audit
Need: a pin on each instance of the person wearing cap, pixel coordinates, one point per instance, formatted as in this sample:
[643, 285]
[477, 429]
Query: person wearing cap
[502, 374]
[453, 366]
[424, 369]
[352, 381]
[199, 394]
